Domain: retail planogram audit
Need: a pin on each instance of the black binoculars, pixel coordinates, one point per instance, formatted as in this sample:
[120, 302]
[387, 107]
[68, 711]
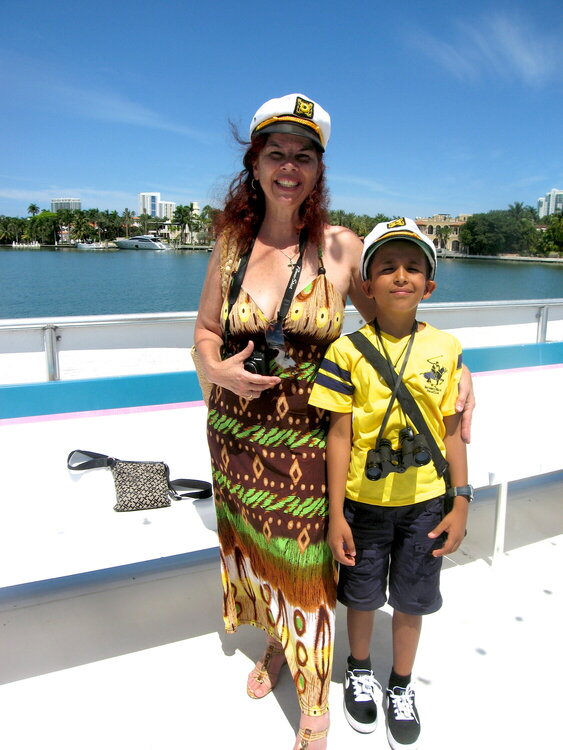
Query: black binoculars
[413, 451]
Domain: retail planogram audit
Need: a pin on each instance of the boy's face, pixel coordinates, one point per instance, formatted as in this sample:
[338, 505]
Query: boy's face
[398, 276]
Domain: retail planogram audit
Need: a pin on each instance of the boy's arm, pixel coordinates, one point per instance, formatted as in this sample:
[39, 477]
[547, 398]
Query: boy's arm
[339, 446]
[465, 403]
[455, 521]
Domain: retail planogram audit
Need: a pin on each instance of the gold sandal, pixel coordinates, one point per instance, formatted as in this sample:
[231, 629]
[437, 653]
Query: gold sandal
[261, 674]
[307, 735]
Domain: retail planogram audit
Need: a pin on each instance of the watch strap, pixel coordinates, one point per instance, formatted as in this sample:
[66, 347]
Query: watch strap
[465, 491]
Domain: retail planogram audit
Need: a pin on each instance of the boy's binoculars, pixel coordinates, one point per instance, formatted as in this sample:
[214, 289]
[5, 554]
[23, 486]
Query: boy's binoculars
[413, 451]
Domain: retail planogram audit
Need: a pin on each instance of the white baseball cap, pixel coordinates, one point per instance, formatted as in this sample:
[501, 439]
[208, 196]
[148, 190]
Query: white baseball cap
[398, 229]
[294, 114]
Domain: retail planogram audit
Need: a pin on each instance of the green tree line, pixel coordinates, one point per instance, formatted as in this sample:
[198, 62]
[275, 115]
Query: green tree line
[513, 230]
[46, 227]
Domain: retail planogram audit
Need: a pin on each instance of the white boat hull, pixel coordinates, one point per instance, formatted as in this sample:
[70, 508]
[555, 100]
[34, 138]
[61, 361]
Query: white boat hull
[142, 242]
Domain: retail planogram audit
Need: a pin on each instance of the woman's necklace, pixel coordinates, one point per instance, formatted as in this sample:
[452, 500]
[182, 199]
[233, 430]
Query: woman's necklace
[291, 258]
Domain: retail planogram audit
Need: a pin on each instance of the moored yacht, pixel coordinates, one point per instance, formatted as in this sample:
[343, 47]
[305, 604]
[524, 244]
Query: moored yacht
[142, 242]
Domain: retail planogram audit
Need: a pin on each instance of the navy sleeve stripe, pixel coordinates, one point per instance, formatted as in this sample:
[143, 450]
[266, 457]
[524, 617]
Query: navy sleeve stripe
[334, 369]
[334, 385]
[459, 360]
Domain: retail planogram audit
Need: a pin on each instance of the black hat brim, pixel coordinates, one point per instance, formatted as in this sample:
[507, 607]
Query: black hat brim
[292, 128]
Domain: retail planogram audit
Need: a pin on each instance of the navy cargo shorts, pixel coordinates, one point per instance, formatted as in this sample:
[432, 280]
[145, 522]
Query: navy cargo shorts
[393, 550]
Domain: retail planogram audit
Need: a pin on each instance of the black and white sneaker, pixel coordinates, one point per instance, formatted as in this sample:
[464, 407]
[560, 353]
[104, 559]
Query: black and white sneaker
[403, 724]
[360, 708]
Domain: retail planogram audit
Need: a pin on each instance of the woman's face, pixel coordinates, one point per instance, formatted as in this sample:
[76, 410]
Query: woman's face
[287, 169]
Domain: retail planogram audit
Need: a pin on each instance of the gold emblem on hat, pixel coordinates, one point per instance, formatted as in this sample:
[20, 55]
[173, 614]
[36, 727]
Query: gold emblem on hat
[303, 108]
[397, 223]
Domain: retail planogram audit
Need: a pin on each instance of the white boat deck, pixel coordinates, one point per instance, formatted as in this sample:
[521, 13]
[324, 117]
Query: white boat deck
[111, 628]
[111, 634]
[142, 661]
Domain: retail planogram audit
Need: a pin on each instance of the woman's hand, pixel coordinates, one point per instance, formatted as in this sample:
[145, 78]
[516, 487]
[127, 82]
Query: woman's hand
[230, 374]
[465, 403]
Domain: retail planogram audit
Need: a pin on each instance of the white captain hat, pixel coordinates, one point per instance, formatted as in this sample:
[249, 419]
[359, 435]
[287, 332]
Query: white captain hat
[398, 229]
[294, 114]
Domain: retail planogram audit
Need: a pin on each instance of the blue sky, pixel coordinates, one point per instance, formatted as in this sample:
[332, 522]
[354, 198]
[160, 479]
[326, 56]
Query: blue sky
[437, 107]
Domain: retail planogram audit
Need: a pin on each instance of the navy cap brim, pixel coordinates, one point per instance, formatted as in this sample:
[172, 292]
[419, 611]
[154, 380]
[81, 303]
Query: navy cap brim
[292, 128]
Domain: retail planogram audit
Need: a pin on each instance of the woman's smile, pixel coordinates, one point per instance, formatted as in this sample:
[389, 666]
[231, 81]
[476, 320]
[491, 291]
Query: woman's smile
[287, 167]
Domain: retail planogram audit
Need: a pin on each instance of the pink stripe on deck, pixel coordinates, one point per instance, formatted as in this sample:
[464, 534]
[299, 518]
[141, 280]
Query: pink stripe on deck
[535, 368]
[101, 412]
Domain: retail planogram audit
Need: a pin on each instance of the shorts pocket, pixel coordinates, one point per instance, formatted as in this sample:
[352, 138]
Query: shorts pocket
[425, 564]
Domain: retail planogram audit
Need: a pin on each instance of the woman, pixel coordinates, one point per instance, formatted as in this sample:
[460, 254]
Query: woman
[267, 445]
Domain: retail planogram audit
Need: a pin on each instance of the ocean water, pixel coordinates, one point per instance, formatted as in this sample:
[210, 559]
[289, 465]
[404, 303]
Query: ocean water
[54, 283]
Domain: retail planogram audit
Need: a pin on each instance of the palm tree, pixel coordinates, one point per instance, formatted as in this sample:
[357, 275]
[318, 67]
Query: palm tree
[443, 233]
[186, 216]
[127, 220]
[145, 219]
[207, 217]
[15, 228]
[517, 210]
[82, 229]
[65, 219]
[4, 232]
[33, 209]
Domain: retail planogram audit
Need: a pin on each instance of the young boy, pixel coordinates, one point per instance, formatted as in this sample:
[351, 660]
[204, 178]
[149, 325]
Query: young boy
[391, 531]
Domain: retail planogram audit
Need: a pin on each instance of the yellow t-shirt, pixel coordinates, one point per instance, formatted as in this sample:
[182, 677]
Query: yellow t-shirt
[346, 382]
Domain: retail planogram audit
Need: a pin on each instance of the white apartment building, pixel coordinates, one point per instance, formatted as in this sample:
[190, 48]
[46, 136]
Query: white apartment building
[551, 203]
[167, 209]
[150, 203]
[70, 204]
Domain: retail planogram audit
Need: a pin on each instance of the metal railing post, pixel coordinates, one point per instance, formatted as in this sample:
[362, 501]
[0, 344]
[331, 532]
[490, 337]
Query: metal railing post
[543, 316]
[51, 352]
[500, 521]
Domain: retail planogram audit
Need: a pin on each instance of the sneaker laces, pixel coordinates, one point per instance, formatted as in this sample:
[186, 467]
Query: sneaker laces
[403, 703]
[364, 685]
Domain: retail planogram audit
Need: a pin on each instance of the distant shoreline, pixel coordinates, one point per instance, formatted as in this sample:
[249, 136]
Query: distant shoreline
[205, 248]
[110, 247]
[508, 258]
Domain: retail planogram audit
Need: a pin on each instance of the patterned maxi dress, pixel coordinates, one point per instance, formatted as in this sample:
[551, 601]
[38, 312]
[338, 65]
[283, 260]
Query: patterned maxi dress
[268, 463]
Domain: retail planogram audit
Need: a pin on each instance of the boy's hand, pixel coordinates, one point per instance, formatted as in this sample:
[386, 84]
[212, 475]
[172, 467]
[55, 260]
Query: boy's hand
[454, 525]
[341, 541]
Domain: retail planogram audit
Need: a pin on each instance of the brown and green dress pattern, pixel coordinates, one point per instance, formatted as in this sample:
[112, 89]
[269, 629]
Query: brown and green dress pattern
[268, 462]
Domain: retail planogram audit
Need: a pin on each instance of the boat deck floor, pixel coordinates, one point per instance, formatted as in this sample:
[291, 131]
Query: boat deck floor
[142, 662]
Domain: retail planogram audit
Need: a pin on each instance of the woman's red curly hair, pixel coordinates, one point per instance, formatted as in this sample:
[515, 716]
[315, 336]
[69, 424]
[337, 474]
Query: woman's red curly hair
[245, 206]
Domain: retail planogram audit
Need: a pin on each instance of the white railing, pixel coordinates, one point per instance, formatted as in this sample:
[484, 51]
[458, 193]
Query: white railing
[506, 322]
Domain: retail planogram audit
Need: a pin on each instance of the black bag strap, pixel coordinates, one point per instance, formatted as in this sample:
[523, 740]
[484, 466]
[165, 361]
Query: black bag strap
[179, 488]
[238, 278]
[404, 397]
[196, 488]
[82, 460]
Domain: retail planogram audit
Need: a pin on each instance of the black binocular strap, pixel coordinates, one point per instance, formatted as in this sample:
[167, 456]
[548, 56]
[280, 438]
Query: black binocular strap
[235, 286]
[238, 278]
[404, 397]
